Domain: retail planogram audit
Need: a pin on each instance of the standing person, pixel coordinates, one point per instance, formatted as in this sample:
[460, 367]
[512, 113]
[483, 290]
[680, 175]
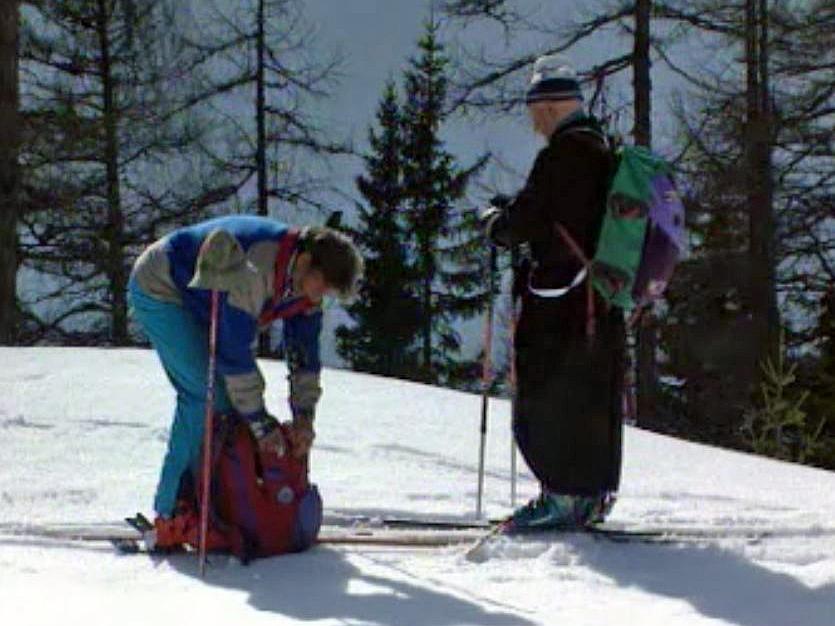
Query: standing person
[567, 417]
[264, 271]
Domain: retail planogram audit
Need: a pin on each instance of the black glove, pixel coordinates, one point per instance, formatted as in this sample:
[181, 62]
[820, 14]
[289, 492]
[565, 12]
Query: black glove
[488, 215]
[494, 219]
[501, 201]
[495, 222]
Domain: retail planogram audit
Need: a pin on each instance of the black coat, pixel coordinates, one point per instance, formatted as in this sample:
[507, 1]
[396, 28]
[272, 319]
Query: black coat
[568, 409]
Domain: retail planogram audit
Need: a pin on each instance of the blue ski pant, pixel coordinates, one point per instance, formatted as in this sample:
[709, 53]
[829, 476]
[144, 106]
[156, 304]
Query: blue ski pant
[182, 344]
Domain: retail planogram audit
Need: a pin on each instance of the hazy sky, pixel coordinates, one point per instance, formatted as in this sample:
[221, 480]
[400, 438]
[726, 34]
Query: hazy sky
[376, 38]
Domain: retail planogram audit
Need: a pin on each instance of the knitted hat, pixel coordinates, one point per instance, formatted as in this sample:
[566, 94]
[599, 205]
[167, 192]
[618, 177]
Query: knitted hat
[553, 79]
[221, 263]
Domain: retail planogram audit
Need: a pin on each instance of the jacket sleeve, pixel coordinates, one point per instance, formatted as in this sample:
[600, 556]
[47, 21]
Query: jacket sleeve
[236, 340]
[222, 265]
[562, 181]
[301, 342]
[236, 364]
[526, 217]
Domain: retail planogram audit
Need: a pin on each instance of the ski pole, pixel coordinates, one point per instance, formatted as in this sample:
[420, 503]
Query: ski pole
[208, 425]
[511, 370]
[629, 407]
[486, 376]
[512, 473]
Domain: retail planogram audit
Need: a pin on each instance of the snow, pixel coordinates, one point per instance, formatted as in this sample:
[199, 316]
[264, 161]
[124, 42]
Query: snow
[82, 433]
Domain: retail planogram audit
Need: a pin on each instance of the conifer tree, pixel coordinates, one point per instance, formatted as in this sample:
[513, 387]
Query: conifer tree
[821, 382]
[448, 245]
[386, 314]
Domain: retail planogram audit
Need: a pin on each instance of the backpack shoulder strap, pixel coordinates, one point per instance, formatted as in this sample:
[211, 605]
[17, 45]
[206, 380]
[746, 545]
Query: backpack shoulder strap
[575, 247]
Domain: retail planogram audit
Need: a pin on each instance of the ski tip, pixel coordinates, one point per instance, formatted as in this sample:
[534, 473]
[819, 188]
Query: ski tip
[145, 521]
[478, 553]
[140, 522]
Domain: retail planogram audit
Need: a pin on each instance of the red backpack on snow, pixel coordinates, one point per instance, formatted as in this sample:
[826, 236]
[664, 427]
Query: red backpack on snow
[262, 504]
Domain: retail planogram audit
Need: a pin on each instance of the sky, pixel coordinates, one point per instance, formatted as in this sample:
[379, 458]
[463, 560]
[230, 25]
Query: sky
[375, 39]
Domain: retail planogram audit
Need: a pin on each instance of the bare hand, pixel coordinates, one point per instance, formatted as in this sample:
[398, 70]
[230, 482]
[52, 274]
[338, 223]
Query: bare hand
[301, 437]
[273, 442]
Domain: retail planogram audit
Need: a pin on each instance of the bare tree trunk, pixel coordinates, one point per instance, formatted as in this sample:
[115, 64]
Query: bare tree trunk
[261, 132]
[260, 110]
[427, 329]
[758, 151]
[9, 169]
[647, 330]
[114, 233]
[769, 226]
[641, 78]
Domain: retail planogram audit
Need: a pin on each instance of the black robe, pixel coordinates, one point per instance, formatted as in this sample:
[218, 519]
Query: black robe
[568, 412]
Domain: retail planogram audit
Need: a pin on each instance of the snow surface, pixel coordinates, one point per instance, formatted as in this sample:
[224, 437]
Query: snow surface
[82, 433]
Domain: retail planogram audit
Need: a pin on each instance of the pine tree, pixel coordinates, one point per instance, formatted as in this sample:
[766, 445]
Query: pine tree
[386, 314]
[448, 245]
[821, 380]
[708, 333]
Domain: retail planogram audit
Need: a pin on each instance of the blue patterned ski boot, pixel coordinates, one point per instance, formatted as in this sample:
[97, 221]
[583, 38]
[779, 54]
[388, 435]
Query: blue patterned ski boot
[551, 511]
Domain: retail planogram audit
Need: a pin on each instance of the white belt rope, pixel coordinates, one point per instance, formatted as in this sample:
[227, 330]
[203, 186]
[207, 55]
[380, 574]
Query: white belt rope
[558, 293]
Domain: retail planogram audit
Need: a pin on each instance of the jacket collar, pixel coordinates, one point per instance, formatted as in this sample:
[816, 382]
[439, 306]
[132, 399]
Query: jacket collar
[576, 121]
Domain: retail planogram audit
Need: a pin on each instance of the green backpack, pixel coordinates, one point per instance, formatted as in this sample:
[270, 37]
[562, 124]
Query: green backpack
[642, 236]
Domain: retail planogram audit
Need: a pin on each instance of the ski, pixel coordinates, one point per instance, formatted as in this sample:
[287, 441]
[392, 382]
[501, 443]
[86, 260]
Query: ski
[610, 530]
[615, 530]
[342, 520]
[381, 537]
[129, 539]
[141, 523]
[145, 528]
[402, 537]
[647, 534]
[478, 551]
[107, 531]
[423, 532]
